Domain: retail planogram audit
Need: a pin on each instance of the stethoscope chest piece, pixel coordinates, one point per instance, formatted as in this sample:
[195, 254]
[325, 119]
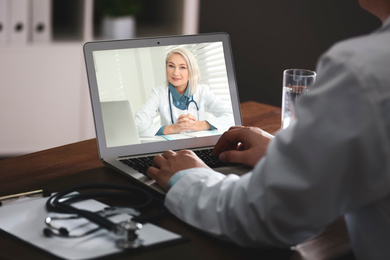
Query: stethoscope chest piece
[128, 233]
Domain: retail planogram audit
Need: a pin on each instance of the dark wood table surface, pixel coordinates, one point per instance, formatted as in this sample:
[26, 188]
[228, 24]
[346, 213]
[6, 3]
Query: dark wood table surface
[78, 163]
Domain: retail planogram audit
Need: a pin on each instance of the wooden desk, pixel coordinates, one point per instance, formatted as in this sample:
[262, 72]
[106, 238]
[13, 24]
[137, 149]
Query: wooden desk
[62, 167]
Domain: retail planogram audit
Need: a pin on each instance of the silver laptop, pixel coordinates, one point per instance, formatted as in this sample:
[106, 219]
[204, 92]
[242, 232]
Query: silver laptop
[126, 76]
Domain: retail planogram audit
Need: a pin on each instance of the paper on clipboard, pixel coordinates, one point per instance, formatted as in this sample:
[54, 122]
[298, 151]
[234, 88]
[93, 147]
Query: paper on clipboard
[24, 218]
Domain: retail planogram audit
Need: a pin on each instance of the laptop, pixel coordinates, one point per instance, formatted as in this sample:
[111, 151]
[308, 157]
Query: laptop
[122, 76]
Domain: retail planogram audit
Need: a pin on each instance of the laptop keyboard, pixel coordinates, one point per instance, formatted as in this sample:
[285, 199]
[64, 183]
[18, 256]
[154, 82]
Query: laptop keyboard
[141, 164]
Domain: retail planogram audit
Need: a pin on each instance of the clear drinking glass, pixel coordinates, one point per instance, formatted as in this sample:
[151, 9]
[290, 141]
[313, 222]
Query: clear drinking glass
[296, 82]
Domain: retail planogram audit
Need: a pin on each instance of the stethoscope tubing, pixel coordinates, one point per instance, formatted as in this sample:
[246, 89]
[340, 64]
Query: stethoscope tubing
[187, 105]
[54, 203]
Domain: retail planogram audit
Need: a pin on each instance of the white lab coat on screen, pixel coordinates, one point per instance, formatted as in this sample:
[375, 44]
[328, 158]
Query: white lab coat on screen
[334, 160]
[158, 102]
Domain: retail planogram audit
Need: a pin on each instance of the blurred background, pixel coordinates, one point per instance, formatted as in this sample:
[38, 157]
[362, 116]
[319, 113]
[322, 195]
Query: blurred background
[44, 99]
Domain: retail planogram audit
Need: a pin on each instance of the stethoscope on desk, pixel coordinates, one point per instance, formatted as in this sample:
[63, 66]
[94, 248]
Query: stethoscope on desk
[126, 232]
[187, 105]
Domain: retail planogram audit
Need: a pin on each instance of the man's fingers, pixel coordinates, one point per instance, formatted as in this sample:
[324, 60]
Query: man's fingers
[228, 141]
[159, 159]
[168, 154]
[237, 127]
[152, 172]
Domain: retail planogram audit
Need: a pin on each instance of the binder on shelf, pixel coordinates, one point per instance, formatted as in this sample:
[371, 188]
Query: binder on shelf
[19, 27]
[4, 22]
[41, 29]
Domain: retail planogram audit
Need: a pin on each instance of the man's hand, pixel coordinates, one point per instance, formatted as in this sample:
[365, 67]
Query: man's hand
[169, 163]
[241, 144]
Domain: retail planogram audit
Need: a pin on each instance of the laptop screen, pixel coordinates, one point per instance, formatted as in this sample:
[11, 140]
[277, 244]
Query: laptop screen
[150, 95]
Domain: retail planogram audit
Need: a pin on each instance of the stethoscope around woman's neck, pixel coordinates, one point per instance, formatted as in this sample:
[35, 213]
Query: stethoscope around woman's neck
[187, 105]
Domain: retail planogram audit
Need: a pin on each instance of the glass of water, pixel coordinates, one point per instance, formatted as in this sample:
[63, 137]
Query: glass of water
[296, 82]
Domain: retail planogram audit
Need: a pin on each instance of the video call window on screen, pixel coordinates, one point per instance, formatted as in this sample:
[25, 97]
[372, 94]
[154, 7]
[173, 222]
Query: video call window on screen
[126, 79]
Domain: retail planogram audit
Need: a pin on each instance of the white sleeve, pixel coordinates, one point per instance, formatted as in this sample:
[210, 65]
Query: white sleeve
[331, 160]
[144, 117]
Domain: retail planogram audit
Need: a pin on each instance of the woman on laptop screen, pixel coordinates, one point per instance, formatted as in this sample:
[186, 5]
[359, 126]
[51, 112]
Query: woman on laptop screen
[182, 103]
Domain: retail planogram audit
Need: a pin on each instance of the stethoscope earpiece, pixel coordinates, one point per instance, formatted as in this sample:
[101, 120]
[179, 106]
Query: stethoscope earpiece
[47, 232]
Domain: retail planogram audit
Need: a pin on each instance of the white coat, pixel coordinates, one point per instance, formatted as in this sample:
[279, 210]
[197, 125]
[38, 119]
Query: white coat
[334, 160]
[158, 102]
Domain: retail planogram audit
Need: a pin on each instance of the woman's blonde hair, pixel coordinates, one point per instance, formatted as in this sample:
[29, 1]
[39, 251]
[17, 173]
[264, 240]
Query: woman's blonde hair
[192, 65]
